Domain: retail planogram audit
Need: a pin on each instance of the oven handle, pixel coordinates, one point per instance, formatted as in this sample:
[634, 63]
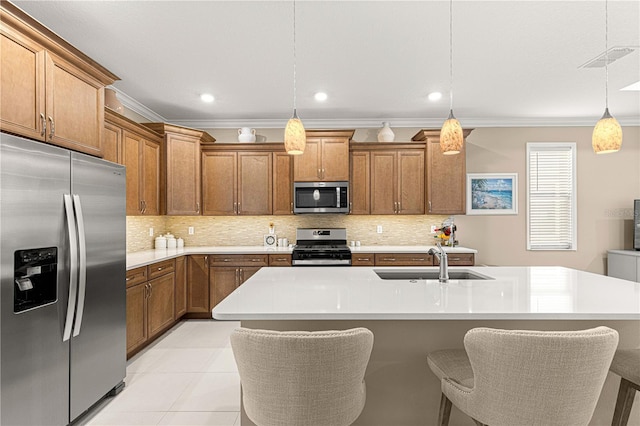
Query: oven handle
[321, 262]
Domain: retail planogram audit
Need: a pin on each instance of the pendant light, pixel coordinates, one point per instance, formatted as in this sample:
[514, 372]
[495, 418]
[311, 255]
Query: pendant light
[295, 138]
[607, 134]
[451, 138]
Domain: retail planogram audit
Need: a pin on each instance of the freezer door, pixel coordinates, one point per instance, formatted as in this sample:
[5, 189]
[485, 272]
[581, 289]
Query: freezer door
[34, 374]
[98, 343]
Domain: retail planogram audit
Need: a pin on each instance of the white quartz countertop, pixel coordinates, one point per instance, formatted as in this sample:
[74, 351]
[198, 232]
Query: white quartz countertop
[348, 293]
[147, 257]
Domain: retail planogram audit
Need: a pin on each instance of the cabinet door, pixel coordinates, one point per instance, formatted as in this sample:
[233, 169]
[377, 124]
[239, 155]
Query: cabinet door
[282, 183]
[403, 259]
[360, 183]
[410, 182]
[112, 143]
[254, 183]
[75, 107]
[22, 99]
[131, 158]
[181, 287]
[197, 283]
[151, 185]
[306, 167]
[335, 159]
[136, 316]
[223, 280]
[183, 175]
[446, 180]
[219, 183]
[383, 182]
[161, 303]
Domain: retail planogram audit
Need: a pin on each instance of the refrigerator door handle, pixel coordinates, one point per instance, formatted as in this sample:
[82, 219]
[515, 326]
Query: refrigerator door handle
[82, 254]
[73, 270]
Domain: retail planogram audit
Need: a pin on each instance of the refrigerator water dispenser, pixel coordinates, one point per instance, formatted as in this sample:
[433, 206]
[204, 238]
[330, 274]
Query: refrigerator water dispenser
[35, 277]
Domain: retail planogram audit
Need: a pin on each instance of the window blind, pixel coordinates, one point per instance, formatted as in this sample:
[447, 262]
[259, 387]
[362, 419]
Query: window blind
[551, 196]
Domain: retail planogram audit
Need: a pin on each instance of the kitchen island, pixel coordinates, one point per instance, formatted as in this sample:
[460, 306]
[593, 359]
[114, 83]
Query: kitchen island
[410, 318]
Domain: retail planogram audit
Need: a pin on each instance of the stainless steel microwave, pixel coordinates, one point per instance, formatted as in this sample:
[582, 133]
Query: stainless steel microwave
[321, 197]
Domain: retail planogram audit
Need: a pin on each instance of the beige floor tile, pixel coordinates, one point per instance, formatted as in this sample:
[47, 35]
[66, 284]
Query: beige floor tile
[151, 391]
[210, 392]
[127, 418]
[222, 362]
[199, 418]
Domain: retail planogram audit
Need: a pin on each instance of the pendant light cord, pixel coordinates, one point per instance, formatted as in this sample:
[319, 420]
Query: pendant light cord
[294, 57]
[606, 54]
[451, 55]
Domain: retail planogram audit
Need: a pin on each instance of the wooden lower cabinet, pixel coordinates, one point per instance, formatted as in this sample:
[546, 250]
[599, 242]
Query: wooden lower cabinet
[150, 303]
[362, 259]
[228, 272]
[136, 316]
[198, 284]
[161, 304]
[403, 259]
[457, 259]
[181, 287]
[280, 259]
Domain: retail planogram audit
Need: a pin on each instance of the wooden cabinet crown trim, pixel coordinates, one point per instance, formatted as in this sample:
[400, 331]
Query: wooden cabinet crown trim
[381, 146]
[125, 123]
[15, 17]
[425, 134]
[252, 146]
[162, 128]
[330, 133]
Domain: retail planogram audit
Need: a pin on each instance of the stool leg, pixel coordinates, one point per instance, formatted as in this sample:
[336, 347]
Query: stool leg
[623, 403]
[445, 411]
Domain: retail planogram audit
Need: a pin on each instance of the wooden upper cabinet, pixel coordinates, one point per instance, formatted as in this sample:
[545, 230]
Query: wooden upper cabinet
[112, 143]
[50, 91]
[282, 183]
[446, 175]
[182, 159]
[255, 183]
[325, 158]
[360, 188]
[387, 178]
[138, 148]
[238, 179]
[219, 183]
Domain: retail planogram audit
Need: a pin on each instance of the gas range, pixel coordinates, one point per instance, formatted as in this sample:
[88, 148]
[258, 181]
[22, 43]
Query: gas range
[321, 247]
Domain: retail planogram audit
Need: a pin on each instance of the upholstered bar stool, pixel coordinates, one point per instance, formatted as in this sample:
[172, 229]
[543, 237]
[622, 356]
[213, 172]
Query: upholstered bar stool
[514, 377]
[626, 364]
[302, 378]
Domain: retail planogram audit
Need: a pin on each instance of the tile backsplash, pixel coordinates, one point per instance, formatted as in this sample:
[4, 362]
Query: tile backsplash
[249, 230]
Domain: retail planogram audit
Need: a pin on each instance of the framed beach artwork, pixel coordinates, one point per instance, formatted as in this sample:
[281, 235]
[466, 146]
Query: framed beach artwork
[492, 193]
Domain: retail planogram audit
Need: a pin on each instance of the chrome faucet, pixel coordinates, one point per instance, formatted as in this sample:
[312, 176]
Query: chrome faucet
[444, 267]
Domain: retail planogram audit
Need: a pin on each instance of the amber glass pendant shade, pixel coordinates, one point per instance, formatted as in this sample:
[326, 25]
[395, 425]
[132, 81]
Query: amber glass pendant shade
[295, 138]
[607, 135]
[451, 137]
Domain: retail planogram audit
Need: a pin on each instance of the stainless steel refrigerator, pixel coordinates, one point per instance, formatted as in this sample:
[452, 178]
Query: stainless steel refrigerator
[62, 294]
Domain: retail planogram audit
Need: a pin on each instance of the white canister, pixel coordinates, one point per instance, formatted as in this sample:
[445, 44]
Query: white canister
[161, 242]
[180, 242]
[171, 241]
[285, 242]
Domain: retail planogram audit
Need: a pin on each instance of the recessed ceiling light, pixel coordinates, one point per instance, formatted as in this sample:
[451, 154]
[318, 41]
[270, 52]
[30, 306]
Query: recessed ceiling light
[206, 97]
[435, 96]
[321, 96]
[635, 87]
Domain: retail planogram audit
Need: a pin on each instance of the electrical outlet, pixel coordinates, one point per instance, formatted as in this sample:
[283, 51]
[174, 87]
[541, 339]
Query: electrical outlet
[191, 232]
[151, 232]
[433, 229]
[379, 229]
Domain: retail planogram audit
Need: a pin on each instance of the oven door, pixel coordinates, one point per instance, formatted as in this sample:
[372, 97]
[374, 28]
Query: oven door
[321, 197]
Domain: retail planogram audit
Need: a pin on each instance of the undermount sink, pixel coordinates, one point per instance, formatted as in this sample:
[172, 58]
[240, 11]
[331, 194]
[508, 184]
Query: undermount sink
[460, 274]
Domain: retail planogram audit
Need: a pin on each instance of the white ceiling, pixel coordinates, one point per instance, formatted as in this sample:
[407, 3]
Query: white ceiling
[515, 63]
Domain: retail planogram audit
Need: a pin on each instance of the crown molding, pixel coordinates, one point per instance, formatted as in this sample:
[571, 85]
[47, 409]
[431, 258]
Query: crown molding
[137, 107]
[365, 123]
